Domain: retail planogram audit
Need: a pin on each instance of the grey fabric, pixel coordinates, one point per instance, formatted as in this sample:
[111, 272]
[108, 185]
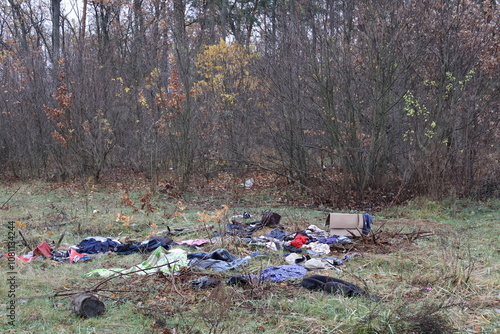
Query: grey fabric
[219, 260]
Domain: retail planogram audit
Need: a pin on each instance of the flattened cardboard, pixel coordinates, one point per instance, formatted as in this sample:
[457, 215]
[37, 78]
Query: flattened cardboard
[345, 224]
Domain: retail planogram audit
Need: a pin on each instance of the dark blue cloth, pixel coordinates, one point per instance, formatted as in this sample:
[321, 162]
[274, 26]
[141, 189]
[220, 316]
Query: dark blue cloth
[330, 240]
[277, 233]
[367, 223]
[281, 273]
[218, 260]
[148, 247]
[92, 246]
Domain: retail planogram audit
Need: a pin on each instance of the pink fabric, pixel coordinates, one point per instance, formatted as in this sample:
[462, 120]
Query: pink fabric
[22, 258]
[74, 256]
[43, 249]
[195, 242]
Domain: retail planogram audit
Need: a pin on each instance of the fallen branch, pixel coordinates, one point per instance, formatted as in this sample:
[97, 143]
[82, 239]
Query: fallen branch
[8, 199]
[95, 288]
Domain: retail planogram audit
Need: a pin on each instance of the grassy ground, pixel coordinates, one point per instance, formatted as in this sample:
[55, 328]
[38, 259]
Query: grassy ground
[434, 264]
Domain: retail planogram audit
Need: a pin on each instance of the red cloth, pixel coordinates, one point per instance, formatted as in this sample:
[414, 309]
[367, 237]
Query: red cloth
[43, 249]
[74, 256]
[299, 241]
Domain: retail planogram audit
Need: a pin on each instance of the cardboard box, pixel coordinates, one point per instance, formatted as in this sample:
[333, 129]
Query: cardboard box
[345, 224]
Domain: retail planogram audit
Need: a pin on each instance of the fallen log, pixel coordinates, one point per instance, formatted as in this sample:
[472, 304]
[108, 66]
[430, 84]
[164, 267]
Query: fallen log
[87, 305]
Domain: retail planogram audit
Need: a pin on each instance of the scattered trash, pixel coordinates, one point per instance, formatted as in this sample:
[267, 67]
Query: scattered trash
[248, 183]
[346, 224]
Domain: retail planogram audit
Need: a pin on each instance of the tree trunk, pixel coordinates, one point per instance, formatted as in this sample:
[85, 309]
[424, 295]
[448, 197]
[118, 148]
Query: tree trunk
[87, 305]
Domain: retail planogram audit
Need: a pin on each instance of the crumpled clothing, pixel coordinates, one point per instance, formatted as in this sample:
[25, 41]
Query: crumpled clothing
[295, 258]
[367, 223]
[299, 241]
[218, 260]
[194, 242]
[333, 239]
[93, 245]
[271, 273]
[307, 262]
[314, 231]
[277, 233]
[319, 248]
[160, 260]
[281, 273]
[145, 246]
[43, 249]
[70, 256]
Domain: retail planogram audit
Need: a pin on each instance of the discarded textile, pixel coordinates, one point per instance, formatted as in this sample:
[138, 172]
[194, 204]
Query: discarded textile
[314, 231]
[145, 246]
[292, 249]
[299, 241]
[159, 260]
[194, 242]
[277, 233]
[70, 256]
[307, 262]
[367, 223]
[295, 258]
[333, 239]
[335, 286]
[271, 273]
[281, 273]
[43, 249]
[94, 245]
[319, 248]
[218, 260]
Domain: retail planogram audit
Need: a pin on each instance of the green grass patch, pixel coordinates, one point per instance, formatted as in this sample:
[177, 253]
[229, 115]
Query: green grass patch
[442, 281]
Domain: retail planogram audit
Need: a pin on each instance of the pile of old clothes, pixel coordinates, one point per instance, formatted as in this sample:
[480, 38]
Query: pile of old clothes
[313, 240]
[160, 260]
[45, 250]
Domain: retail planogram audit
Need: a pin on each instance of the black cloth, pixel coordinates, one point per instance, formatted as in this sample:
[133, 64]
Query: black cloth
[92, 246]
[334, 286]
[147, 247]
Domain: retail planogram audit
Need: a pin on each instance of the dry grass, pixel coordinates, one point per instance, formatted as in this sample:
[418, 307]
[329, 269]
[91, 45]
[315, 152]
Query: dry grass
[443, 281]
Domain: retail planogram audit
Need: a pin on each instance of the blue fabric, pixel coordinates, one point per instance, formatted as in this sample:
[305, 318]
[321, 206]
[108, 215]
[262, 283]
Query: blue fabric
[218, 260]
[367, 223]
[277, 233]
[281, 273]
[330, 240]
[148, 247]
[92, 246]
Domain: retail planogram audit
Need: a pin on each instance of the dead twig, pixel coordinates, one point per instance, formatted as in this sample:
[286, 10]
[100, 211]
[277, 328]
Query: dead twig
[25, 242]
[8, 199]
[95, 289]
